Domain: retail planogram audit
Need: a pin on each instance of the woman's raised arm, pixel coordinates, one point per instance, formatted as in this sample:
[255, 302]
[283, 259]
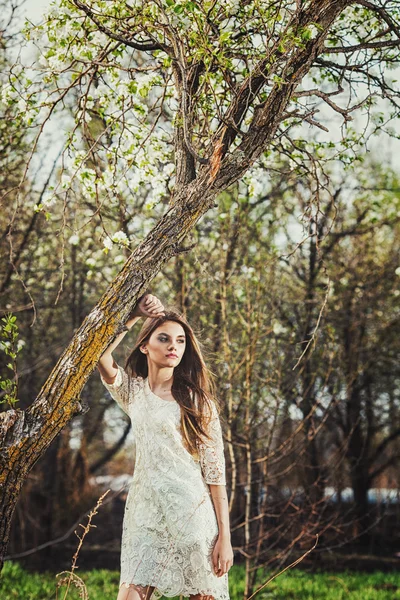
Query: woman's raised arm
[147, 306]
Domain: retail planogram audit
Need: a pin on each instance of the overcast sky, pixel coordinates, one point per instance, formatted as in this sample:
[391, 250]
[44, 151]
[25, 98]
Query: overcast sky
[34, 8]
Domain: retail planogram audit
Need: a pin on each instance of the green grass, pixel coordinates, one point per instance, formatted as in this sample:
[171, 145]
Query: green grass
[15, 582]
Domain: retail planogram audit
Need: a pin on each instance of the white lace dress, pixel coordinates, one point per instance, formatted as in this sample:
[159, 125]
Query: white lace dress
[170, 526]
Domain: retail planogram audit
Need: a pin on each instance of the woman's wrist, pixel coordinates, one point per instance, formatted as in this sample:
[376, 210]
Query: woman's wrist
[224, 534]
[132, 320]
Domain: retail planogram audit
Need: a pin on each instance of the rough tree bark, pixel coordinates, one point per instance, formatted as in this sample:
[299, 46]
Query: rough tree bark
[25, 435]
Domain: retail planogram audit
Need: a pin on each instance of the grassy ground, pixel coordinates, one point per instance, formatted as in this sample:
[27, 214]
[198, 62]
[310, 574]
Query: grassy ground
[294, 585]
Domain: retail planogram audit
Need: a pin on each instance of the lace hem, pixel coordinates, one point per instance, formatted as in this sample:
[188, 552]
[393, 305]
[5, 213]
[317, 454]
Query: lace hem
[156, 594]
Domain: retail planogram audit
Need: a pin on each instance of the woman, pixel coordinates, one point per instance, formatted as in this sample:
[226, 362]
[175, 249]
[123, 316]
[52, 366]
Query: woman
[176, 535]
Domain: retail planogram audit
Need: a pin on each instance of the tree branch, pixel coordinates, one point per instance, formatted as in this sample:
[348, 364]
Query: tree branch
[384, 444]
[357, 47]
[266, 121]
[116, 36]
[382, 13]
[326, 98]
[111, 451]
[393, 460]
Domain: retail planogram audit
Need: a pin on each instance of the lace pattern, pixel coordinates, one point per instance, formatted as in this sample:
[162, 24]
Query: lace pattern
[170, 526]
[211, 452]
[124, 389]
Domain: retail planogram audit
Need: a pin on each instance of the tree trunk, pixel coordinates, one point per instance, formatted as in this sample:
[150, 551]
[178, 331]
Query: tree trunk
[26, 435]
[360, 486]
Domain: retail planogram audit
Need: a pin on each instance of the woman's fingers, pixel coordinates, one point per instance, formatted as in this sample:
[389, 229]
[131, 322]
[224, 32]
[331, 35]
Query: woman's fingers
[225, 567]
[156, 310]
[152, 306]
[150, 302]
[221, 566]
[155, 313]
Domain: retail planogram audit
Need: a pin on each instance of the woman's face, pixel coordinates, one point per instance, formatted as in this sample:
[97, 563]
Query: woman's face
[166, 345]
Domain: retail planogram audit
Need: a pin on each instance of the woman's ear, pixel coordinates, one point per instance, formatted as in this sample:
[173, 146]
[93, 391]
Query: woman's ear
[143, 349]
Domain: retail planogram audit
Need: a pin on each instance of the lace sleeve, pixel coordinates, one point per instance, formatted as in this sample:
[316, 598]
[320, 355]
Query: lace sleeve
[121, 389]
[211, 452]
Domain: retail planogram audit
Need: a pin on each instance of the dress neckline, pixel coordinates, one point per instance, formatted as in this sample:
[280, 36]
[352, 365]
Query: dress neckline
[155, 395]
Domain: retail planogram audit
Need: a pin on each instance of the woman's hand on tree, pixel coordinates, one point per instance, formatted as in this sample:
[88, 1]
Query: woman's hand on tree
[148, 306]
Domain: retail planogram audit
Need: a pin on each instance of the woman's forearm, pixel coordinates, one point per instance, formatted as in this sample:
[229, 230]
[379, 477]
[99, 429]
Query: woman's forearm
[220, 501]
[120, 337]
[107, 365]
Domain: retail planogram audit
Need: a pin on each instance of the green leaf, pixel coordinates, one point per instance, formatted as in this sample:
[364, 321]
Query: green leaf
[225, 36]
[306, 34]
[191, 6]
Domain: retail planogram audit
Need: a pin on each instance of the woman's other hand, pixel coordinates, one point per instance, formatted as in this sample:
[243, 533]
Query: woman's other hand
[148, 306]
[222, 555]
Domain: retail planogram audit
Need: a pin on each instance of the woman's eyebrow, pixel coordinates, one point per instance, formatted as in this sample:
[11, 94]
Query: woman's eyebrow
[167, 334]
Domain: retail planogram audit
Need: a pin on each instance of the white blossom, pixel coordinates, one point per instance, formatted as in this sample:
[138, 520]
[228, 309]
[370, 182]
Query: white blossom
[278, 328]
[65, 181]
[43, 62]
[74, 239]
[108, 243]
[120, 238]
[21, 105]
[169, 168]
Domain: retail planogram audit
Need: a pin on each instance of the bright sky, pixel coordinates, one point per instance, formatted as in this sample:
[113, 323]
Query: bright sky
[35, 8]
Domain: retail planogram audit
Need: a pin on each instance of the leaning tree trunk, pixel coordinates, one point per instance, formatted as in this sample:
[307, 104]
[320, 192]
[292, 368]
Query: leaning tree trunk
[25, 435]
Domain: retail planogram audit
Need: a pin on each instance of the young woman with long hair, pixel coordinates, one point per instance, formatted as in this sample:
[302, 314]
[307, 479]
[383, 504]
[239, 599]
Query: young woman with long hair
[176, 534]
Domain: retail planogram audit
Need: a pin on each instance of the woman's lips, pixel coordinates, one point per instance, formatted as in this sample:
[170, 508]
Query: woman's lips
[172, 356]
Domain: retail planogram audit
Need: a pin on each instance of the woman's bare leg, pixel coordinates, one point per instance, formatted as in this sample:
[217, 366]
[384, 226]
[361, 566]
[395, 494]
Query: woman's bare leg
[200, 597]
[135, 592]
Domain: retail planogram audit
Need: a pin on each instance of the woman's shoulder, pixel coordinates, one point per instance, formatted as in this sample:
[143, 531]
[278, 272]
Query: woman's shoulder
[125, 378]
[136, 381]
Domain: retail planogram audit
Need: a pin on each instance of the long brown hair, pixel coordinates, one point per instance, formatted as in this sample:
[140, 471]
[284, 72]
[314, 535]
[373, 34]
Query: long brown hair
[191, 378]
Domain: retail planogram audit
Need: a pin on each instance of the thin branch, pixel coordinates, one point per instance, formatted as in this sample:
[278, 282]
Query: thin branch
[115, 36]
[357, 47]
